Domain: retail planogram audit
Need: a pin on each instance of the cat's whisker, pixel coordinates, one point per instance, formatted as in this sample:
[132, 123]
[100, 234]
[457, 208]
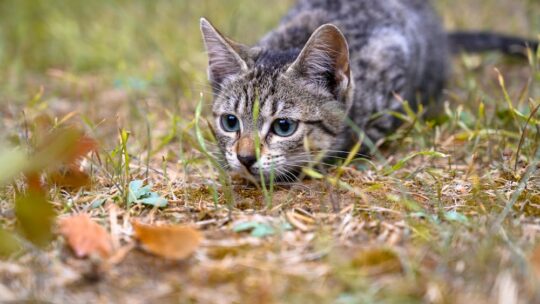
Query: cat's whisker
[288, 175]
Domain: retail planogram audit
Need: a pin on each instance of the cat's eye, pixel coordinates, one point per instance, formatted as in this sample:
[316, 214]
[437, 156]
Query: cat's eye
[230, 123]
[284, 127]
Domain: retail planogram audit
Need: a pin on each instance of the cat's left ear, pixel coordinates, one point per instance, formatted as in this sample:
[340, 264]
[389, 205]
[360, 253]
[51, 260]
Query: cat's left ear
[226, 58]
[324, 61]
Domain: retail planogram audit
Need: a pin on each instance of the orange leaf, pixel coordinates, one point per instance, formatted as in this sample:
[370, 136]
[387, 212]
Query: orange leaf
[85, 236]
[34, 182]
[70, 178]
[83, 146]
[169, 241]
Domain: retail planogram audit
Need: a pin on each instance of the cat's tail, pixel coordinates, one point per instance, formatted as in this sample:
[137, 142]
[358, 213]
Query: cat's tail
[476, 42]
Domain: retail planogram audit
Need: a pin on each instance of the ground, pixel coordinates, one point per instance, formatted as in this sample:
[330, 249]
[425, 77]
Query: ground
[447, 211]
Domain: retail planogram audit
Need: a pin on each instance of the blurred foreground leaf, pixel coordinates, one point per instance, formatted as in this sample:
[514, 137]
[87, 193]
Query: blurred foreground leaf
[174, 242]
[35, 216]
[12, 161]
[377, 261]
[8, 243]
[61, 146]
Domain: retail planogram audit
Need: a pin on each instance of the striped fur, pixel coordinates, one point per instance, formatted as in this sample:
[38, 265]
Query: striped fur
[320, 74]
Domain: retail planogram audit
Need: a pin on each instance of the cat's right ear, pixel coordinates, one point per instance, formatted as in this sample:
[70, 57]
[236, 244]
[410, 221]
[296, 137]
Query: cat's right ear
[324, 61]
[224, 55]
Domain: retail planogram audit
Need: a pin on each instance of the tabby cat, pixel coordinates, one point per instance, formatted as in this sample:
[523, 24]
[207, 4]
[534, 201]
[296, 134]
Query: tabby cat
[332, 68]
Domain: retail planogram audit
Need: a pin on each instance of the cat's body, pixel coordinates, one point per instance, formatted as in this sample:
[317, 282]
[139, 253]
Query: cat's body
[329, 61]
[396, 47]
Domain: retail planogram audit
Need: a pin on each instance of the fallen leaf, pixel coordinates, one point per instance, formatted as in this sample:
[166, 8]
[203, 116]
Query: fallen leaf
[62, 147]
[82, 147]
[86, 237]
[97, 203]
[70, 178]
[169, 241]
[12, 162]
[456, 217]
[69, 175]
[141, 194]
[258, 229]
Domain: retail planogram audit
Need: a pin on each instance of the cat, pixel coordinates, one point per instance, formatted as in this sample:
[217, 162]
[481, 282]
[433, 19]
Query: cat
[331, 68]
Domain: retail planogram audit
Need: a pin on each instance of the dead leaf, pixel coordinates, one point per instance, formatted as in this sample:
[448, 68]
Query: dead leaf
[70, 178]
[85, 236]
[82, 147]
[169, 241]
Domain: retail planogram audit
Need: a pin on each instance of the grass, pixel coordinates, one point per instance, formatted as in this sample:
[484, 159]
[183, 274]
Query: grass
[446, 212]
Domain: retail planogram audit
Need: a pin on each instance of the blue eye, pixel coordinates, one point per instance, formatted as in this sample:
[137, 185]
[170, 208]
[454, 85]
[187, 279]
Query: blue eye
[230, 123]
[284, 127]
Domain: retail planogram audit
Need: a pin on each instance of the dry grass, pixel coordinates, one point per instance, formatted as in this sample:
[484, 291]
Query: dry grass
[454, 229]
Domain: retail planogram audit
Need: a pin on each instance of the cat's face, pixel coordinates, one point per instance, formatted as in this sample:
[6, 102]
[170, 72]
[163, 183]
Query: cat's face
[302, 98]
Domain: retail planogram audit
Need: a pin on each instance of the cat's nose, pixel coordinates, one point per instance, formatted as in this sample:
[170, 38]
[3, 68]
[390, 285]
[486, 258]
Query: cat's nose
[247, 160]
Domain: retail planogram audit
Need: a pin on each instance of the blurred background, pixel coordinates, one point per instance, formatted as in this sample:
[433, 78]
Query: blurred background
[143, 44]
[126, 44]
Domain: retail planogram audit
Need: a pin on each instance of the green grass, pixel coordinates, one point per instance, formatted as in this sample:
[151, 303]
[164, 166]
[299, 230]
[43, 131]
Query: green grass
[446, 212]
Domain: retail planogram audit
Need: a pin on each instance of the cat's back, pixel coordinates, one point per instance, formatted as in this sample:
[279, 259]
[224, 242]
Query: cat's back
[360, 20]
[361, 17]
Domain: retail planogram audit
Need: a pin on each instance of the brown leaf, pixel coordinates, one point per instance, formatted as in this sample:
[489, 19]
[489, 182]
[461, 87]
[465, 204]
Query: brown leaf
[83, 146]
[169, 241]
[62, 147]
[33, 180]
[70, 178]
[85, 236]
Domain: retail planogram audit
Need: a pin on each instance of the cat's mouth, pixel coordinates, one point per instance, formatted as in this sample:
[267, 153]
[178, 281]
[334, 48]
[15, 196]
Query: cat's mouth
[278, 174]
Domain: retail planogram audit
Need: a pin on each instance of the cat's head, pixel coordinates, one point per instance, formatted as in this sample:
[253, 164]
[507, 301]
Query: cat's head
[302, 96]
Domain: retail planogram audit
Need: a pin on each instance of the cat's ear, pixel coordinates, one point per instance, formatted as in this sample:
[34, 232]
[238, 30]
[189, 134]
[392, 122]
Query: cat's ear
[324, 61]
[225, 57]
